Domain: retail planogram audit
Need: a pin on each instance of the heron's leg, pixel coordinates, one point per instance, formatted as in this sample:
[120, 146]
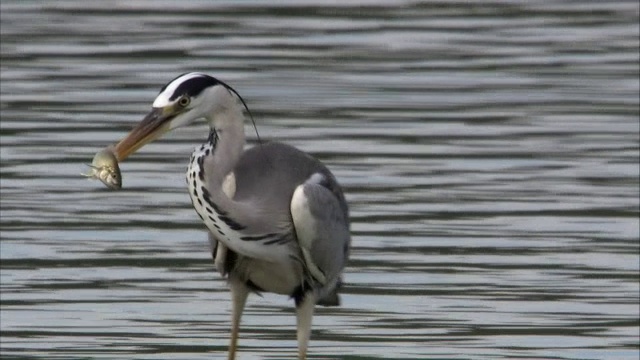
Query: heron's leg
[239, 293]
[304, 315]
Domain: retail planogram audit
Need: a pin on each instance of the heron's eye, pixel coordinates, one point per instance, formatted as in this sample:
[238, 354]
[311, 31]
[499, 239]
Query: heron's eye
[184, 101]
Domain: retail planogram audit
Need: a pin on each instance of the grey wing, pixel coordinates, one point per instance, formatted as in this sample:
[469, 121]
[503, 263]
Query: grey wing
[321, 222]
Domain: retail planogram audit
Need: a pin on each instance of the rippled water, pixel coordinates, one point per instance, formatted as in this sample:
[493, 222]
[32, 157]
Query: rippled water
[489, 152]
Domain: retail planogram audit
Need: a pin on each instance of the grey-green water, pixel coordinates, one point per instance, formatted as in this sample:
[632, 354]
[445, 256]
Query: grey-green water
[489, 151]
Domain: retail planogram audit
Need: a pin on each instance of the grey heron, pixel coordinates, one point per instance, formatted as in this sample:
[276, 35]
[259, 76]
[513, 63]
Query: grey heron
[277, 218]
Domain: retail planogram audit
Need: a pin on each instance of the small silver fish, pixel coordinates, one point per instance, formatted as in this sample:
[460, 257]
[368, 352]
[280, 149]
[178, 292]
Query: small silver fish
[104, 167]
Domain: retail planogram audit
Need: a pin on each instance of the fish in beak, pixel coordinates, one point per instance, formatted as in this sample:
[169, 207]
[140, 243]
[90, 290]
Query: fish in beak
[105, 163]
[106, 169]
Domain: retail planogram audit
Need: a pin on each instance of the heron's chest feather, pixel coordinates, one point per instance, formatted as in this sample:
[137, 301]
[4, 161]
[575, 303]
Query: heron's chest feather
[241, 226]
[217, 219]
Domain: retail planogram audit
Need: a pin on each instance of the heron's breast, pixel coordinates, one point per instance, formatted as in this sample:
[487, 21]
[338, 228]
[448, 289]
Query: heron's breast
[244, 236]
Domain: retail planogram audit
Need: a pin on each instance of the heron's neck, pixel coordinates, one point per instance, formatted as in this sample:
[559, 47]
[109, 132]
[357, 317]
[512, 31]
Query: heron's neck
[229, 129]
[225, 146]
[213, 190]
[226, 150]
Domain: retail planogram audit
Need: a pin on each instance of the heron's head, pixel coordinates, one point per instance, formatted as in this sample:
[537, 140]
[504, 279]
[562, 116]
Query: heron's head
[183, 100]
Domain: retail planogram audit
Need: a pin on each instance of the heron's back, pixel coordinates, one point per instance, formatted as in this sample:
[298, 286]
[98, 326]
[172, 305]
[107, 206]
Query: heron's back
[269, 173]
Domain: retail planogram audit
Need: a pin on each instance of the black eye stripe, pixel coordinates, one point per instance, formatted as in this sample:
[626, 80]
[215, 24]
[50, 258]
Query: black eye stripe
[194, 86]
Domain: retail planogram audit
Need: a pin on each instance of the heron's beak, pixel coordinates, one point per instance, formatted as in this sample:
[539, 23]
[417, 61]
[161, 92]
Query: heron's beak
[154, 125]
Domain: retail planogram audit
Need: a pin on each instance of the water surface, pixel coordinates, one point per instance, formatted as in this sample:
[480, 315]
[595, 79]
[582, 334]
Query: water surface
[489, 153]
